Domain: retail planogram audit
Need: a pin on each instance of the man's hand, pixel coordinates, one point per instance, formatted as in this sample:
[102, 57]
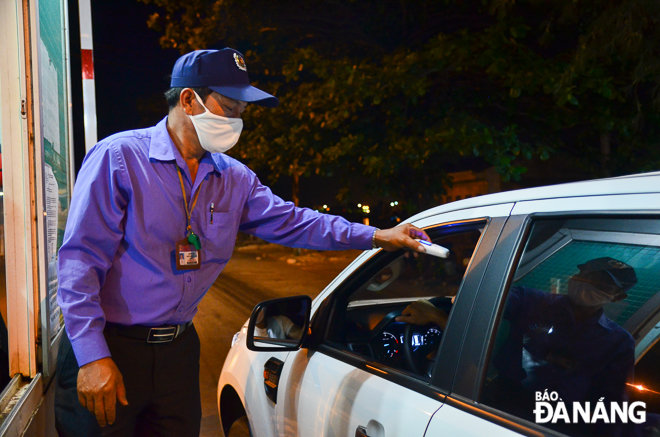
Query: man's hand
[401, 237]
[422, 312]
[100, 386]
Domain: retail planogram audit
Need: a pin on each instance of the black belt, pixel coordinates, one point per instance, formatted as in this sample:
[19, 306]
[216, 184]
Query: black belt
[150, 334]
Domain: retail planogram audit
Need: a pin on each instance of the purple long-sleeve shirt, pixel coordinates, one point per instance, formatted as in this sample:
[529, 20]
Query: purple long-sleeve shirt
[117, 261]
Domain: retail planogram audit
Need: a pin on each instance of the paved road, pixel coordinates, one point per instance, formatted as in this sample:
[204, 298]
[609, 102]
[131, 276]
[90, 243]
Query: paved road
[254, 274]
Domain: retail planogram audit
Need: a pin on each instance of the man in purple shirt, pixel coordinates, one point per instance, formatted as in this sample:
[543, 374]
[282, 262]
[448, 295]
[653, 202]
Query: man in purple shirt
[153, 221]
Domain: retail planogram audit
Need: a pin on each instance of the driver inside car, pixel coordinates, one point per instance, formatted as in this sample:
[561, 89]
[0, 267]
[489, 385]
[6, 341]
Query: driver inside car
[424, 312]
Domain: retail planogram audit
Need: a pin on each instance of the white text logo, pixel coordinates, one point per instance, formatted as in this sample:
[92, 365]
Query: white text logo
[586, 412]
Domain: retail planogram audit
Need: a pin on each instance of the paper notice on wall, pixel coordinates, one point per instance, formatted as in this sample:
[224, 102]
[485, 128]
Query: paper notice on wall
[56, 320]
[49, 101]
[52, 202]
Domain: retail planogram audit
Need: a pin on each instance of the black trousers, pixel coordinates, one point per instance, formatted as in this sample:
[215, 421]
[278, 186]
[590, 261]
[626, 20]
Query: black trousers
[162, 389]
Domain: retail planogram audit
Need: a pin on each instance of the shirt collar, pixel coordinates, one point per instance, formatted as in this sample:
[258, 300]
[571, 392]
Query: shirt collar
[222, 161]
[604, 321]
[163, 148]
[598, 318]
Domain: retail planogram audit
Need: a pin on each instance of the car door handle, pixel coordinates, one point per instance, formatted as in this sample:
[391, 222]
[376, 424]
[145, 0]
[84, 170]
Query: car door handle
[361, 431]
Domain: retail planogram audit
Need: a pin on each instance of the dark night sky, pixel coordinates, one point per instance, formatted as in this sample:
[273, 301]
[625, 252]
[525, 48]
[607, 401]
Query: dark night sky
[130, 66]
[131, 70]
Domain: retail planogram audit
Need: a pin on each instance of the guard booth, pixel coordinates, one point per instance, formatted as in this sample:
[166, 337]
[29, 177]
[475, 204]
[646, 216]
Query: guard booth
[36, 146]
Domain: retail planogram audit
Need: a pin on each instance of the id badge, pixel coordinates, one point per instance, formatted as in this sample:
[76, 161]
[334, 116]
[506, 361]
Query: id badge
[187, 256]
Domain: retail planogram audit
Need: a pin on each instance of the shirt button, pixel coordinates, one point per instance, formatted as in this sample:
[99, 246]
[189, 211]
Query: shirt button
[189, 279]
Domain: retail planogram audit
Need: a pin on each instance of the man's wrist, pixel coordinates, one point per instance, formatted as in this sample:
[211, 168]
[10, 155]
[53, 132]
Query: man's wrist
[89, 348]
[373, 239]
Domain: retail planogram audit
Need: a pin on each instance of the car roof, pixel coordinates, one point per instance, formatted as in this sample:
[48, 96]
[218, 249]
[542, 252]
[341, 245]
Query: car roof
[630, 184]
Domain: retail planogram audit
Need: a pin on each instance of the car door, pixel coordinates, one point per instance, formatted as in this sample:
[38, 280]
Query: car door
[356, 380]
[536, 350]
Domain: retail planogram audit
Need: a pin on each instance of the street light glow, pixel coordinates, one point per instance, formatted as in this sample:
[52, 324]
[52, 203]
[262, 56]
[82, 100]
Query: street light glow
[640, 387]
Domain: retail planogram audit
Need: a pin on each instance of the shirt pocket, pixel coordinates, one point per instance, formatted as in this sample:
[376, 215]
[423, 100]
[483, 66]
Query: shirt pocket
[220, 235]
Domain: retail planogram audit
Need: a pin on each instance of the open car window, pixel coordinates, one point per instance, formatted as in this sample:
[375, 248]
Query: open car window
[575, 348]
[364, 321]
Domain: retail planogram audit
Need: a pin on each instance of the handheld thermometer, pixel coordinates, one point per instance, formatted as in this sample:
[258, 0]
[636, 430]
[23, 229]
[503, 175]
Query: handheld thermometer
[434, 249]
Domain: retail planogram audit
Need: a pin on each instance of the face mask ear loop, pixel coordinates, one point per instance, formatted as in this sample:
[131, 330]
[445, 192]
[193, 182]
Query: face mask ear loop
[199, 100]
[616, 281]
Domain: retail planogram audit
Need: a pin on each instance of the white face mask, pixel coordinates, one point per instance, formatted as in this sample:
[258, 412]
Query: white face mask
[216, 134]
[586, 295]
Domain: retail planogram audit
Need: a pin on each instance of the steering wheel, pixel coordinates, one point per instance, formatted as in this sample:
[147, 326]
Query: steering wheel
[417, 360]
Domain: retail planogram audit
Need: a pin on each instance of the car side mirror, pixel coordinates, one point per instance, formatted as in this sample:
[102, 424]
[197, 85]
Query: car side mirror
[279, 324]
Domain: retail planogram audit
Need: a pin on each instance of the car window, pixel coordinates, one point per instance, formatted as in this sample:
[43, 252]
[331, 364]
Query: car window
[575, 345]
[365, 317]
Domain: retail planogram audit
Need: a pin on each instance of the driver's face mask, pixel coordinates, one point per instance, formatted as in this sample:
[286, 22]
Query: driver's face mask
[586, 294]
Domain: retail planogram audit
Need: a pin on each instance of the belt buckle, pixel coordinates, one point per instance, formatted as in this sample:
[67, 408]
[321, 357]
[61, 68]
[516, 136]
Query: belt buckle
[162, 335]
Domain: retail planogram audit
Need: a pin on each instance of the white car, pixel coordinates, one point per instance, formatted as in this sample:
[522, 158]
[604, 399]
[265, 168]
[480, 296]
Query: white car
[518, 355]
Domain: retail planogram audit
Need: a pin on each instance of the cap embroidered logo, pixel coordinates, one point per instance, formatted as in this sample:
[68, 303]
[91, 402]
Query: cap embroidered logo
[616, 264]
[240, 63]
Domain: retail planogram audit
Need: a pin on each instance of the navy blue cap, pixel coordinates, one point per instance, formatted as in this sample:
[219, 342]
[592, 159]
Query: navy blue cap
[609, 271]
[223, 71]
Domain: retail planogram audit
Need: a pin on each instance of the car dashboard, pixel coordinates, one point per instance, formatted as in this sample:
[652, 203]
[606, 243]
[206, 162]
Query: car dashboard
[373, 332]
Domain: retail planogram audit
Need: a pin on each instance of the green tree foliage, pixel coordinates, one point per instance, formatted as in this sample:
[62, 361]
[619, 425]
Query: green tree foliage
[404, 91]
